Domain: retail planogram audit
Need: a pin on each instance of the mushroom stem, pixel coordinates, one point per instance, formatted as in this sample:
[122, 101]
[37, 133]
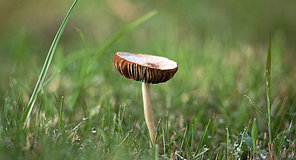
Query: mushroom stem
[148, 110]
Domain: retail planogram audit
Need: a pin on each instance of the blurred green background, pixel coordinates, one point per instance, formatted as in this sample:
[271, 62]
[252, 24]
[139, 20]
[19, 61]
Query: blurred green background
[223, 38]
[27, 27]
[220, 47]
[247, 22]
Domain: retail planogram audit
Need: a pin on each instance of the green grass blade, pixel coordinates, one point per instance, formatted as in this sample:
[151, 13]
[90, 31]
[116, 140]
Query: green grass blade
[50, 54]
[156, 152]
[50, 78]
[257, 108]
[254, 135]
[183, 139]
[227, 143]
[203, 137]
[239, 148]
[268, 92]
[163, 140]
[61, 114]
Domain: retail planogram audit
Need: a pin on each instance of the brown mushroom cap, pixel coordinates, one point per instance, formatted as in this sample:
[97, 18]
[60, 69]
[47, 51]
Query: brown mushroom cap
[145, 68]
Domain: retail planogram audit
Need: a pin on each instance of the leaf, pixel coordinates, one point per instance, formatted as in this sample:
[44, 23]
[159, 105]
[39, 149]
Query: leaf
[27, 112]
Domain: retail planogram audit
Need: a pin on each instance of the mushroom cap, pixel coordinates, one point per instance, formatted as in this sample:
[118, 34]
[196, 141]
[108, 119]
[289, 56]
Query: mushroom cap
[145, 68]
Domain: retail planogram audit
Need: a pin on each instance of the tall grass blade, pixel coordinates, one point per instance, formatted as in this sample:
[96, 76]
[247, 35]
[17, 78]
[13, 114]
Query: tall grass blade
[27, 112]
[268, 93]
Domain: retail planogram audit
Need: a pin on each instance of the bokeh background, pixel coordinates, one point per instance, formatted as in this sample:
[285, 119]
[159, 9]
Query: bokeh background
[30, 25]
[226, 32]
[220, 47]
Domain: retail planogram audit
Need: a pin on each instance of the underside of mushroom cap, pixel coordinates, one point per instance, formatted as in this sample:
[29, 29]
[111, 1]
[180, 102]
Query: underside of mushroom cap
[145, 68]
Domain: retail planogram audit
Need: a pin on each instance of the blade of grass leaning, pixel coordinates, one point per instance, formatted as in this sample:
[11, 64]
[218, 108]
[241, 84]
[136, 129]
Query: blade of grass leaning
[268, 94]
[257, 108]
[183, 138]
[27, 112]
[202, 137]
[50, 78]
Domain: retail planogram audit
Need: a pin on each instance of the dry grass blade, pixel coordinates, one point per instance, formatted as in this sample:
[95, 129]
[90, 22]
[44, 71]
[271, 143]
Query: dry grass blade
[257, 108]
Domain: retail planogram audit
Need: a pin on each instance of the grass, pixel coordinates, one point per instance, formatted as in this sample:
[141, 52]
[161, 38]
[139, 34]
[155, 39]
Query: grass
[86, 110]
[268, 96]
[27, 112]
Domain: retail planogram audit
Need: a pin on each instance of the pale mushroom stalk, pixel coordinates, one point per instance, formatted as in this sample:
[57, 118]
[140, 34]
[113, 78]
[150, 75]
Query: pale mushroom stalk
[148, 110]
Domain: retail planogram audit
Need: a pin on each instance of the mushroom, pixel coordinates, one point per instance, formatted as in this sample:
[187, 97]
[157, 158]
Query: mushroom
[148, 69]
